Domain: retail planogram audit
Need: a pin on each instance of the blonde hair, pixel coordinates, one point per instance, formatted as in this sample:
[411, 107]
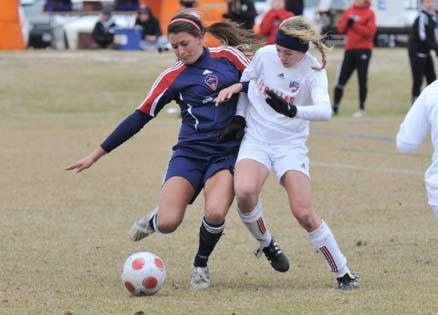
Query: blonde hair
[302, 29]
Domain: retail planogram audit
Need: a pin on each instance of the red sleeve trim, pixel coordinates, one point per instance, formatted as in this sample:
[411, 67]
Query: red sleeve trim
[160, 86]
[232, 54]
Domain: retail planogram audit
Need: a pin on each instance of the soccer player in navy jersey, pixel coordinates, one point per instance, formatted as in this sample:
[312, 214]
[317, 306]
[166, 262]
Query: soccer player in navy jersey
[201, 159]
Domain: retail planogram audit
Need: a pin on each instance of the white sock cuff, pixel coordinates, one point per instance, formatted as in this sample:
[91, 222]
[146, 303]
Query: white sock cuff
[252, 216]
[154, 216]
[320, 233]
[212, 229]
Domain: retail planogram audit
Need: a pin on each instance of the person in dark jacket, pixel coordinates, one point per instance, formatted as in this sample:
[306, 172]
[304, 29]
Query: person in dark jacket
[359, 23]
[295, 6]
[151, 38]
[242, 12]
[421, 42]
[103, 32]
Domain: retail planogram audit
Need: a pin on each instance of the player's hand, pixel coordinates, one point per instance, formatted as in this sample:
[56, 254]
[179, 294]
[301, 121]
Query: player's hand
[280, 105]
[227, 93]
[235, 130]
[87, 161]
[81, 165]
[350, 21]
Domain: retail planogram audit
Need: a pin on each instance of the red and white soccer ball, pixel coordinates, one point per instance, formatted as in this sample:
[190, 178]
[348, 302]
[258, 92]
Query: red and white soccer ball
[143, 273]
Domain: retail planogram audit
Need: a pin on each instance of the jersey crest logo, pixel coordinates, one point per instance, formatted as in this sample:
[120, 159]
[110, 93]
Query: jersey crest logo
[212, 81]
[281, 75]
[294, 86]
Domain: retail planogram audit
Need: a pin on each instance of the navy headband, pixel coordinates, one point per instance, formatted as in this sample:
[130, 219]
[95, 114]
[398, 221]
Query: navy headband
[290, 42]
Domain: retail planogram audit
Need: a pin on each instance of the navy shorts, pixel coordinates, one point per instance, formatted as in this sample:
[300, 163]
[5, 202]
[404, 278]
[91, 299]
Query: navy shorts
[198, 171]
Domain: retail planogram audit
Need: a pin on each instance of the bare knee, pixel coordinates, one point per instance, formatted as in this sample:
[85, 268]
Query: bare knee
[307, 219]
[167, 225]
[247, 196]
[215, 215]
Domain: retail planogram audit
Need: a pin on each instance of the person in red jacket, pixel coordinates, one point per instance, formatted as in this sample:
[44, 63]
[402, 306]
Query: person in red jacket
[272, 19]
[358, 22]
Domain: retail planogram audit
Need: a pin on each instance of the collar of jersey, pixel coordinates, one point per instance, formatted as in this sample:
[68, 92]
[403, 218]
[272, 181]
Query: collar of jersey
[202, 59]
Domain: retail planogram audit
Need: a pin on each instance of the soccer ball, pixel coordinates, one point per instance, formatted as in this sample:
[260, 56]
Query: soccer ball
[143, 273]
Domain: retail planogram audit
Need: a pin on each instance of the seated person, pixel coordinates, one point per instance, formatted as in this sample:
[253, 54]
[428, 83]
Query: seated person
[103, 32]
[57, 5]
[149, 26]
[126, 5]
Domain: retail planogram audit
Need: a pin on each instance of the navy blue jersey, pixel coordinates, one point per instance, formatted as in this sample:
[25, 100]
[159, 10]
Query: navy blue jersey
[194, 87]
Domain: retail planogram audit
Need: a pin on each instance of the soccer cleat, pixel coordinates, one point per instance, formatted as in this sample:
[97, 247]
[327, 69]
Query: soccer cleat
[349, 281]
[359, 113]
[141, 228]
[273, 253]
[200, 278]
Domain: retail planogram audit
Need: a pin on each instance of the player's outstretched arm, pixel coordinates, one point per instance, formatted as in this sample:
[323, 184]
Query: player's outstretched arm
[87, 161]
[227, 93]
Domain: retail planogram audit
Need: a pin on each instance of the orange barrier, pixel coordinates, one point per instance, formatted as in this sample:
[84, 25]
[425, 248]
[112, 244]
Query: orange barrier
[10, 28]
[210, 10]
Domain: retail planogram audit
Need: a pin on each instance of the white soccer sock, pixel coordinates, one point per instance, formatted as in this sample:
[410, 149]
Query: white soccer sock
[325, 244]
[255, 223]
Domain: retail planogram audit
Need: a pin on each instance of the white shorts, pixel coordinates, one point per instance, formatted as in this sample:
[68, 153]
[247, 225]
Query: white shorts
[281, 157]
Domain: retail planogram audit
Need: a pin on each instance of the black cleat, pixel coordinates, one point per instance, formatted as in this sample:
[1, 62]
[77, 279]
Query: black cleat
[349, 281]
[273, 253]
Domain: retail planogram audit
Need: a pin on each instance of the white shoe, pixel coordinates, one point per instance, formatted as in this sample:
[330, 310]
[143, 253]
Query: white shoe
[359, 113]
[141, 228]
[200, 278]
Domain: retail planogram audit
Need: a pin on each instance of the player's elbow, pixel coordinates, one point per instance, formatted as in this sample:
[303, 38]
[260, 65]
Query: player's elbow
[405, 147]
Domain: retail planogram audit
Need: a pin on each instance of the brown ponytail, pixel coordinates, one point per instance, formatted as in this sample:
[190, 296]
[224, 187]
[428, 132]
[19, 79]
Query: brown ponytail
[228, 33]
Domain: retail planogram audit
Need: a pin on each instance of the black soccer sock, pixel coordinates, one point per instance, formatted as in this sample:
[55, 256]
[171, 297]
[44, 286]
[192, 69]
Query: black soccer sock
[339, 91]
[209, 235]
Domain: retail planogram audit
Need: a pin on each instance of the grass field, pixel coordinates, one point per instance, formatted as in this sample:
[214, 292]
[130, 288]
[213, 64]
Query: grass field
[63, 237]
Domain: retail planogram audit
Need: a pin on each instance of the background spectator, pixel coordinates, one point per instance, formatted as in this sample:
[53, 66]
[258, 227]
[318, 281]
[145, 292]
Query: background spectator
[242, 12]
[103, 32]
[421, 42]
[295, 6]
[149, 25]
[272, 20]
[359, 23]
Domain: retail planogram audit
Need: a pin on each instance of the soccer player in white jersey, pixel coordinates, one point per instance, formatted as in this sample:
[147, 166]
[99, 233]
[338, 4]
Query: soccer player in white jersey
[287, 88]
[422, 119]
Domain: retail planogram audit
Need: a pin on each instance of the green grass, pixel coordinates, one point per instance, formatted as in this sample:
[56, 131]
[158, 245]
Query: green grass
[63, 237]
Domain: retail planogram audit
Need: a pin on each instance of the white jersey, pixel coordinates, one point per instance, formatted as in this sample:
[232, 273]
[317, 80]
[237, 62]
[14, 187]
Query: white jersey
[300, 85]
[422, 119]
